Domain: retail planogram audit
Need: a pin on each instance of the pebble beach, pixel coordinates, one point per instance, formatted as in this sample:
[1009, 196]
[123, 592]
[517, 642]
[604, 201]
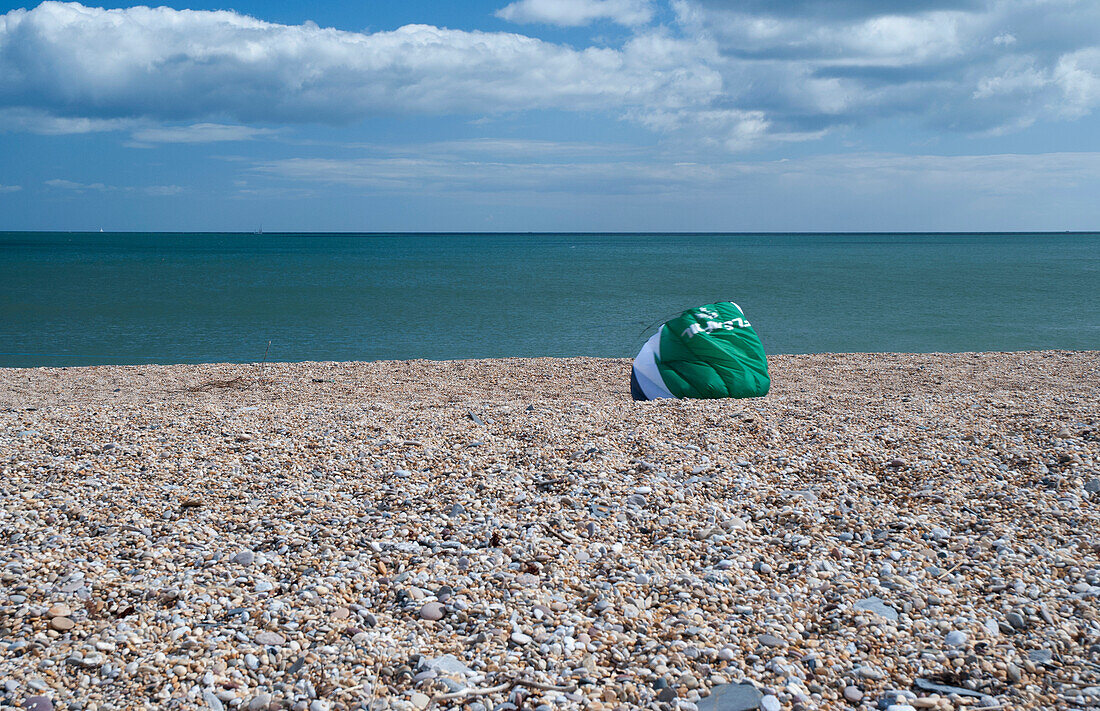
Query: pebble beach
[882, 531]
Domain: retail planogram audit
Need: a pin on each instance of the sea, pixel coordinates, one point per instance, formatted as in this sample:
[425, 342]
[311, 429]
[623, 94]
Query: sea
[72, 298]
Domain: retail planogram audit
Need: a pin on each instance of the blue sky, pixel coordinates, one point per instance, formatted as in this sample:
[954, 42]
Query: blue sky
[533, 115]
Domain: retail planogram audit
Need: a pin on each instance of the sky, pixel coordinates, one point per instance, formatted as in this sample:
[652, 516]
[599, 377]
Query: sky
[551, 115]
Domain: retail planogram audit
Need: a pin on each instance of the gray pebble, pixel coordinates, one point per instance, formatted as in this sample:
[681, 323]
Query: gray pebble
[878, 606]
[731, 697]
[432, 611]
[38, 703]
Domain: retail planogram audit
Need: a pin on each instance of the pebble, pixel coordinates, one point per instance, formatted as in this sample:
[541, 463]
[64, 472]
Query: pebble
[956, 638]
[770, 703]
[432, 611]
[38, 703]
[1040, 656]
[732, 697]
[270, 639]
[59, 610]
[62, 624]
[245, 557]
[877, 606]
[853, 694]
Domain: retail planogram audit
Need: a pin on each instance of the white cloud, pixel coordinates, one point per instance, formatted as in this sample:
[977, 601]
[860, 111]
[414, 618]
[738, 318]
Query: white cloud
[575, 13]
[78, 63]
[436, 169]
[972, 66]
[199, 133]
[63, 184]
[33, 120]
[1078, 77]
[10, 188]
[442, 175]
[162, 190]
[80, 188]
[729, 75]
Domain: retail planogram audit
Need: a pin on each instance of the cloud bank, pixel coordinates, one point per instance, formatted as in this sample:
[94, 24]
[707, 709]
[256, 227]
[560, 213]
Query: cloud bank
[78, 63]
[575, 13]
[730, 75]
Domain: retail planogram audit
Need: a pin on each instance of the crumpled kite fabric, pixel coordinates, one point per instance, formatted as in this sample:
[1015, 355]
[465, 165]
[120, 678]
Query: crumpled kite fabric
[706, 352]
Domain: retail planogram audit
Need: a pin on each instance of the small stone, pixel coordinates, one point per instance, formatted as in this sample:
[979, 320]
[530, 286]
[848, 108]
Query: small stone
[270, 639]
[212, 702]
[244, 558]
[1093, 485]
[456, 511]
[878, 606]
[896, 463]
[319, 705]
[770, 703]
[1040, 656]
[419, 700]
[1014, 674]
[666, 695]
[956, 638]
[944, 689]
[38, 703]
[62, 624]
[868, 672]
[770, 640]
[432, 611]
[59, 610]
[732, 697]
[1016, 620]
[853, 694]
[449, 664]
[521, 638]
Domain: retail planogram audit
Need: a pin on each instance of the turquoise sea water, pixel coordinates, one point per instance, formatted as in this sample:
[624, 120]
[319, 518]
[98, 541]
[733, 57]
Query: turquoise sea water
[91, 298]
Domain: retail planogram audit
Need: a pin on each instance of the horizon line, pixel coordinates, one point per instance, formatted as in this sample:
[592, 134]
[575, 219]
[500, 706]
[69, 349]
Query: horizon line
[560, 232]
